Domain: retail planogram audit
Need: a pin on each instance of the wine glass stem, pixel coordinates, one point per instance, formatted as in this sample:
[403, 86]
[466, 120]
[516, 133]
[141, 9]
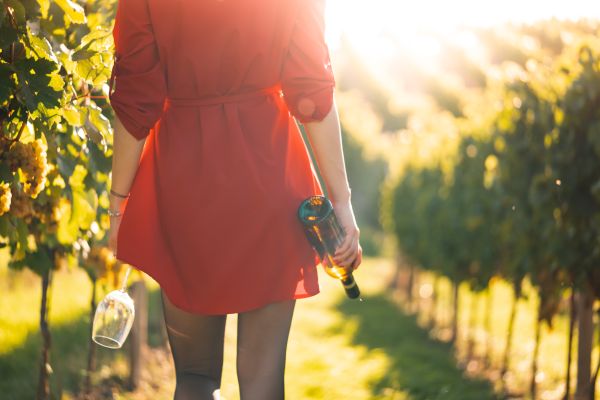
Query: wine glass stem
[125, 279]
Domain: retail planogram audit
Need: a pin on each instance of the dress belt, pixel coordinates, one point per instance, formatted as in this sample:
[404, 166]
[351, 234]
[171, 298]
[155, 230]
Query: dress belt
[227, 98]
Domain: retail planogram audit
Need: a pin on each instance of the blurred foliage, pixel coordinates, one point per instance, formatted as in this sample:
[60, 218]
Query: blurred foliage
[516, 192]
[55, 141]
[55, 134]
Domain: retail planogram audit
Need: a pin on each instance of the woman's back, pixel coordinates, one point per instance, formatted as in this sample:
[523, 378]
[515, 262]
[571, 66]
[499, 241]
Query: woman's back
[212, 84]
[215, 47]
[212, 47]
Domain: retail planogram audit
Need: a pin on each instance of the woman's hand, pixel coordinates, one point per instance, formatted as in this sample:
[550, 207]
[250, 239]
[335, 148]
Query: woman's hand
[349, 253]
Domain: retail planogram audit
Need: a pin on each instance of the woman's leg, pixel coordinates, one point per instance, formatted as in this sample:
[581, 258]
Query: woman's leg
[197, 346]
[262, 343]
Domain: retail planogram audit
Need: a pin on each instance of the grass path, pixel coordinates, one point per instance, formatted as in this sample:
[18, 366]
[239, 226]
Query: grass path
[351, 350]
[338, 349]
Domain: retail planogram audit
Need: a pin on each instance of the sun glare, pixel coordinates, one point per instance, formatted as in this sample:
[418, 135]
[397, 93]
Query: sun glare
[416, 26]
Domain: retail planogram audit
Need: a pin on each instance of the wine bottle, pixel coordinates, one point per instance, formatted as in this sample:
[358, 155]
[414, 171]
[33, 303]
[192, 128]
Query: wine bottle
[325, 234]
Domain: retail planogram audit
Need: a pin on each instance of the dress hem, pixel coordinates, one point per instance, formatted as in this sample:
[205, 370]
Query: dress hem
[200, 311]
[247, 309]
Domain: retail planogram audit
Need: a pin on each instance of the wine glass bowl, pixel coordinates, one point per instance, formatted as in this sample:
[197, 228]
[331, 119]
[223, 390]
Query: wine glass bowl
[113, 319]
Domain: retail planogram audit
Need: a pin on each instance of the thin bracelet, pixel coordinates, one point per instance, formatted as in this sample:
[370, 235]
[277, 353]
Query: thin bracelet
[119, 194]
[112, 213]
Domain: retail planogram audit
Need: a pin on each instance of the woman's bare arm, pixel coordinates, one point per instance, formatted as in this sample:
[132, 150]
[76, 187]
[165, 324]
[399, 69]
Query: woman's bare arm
[126, 157]
[326, 141]
[127, 150]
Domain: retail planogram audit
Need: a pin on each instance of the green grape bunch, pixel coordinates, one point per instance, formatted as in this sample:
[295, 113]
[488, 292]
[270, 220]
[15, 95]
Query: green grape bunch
[21, 206]
[31, 159]
[5, 197]
[47, 207]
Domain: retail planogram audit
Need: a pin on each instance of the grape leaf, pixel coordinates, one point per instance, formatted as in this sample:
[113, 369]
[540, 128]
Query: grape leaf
[72, 115]
[73, 11]
[42, 47]
[3, 13]
[6, 84]
[44, 6]
[34, 83]
[98, 122]
[39, 261]
[8, 35]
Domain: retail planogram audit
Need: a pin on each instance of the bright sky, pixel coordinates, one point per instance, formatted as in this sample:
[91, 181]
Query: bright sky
[363, 20]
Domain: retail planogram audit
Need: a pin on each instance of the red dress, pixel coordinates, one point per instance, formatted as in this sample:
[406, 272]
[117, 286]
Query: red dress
[214, 86]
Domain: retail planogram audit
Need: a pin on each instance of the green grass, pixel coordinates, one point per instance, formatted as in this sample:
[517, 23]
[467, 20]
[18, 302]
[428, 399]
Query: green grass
[20, 341]
[419, 366]
[19, 337]
[346, 349]
[338, 349]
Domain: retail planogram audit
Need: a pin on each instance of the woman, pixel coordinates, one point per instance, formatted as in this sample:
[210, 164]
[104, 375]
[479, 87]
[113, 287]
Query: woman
[209, 169]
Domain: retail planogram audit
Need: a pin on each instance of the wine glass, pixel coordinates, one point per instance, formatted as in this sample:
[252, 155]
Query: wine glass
[114, 317]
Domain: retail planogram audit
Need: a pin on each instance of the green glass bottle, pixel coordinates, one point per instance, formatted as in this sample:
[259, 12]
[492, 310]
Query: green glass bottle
[325, 234]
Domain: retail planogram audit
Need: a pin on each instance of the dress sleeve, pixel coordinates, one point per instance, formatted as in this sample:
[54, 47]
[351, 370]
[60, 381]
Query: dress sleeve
[307, 78]
[137, 83]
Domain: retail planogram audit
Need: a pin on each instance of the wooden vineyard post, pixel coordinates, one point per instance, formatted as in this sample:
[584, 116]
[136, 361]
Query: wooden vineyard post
[584, 344]
[139, 333]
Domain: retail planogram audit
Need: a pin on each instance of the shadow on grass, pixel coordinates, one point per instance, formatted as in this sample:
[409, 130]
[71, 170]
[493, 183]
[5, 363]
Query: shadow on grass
[419, 365]
[19, 369]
